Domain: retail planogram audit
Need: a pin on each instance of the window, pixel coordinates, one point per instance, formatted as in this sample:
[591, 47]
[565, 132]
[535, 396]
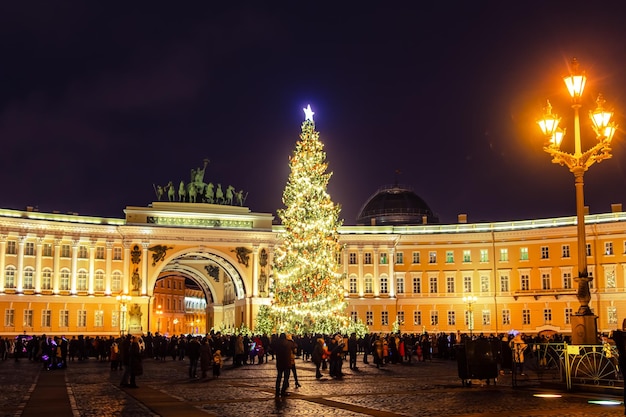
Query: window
[28, 318]
[523, 254]
[399, 258]
[547, 315]
[545, 253]
[117, 254]
[486, 317]
[29, 282]
[353, 285]
[400, 285]
[369, 285]
[567, 280]
[46, 318]
[417, 285]
[116, 281]
[99, 281]
[467, 284]
[568, 315]
[354, 316]
[525, 316]
[384, 285]
[100, 252]
[432, 257]
[467, 256]
[64, 318]
[46, 279]
[451, 318]
[433, 285]
[416, 257]
[484, 283]
[504, 255]
[384, 318]
[450, 284]
[81, 283]
[506, 317]
[98, 318]
[65, 251]
[545, 281]
[417, 318]
[434, 318]
[504, 283]
[338, 258]
[449, 257]
[524, 282]
[352, 258]
[608, 248]
[484, 255]
[64, 283]
[367, 258]
[47, 249]
[82, 252]
[400, 317]
[588, 249]
[82, 318]
[565, 251]
[29, 249]
[383, 258]
[369, 318]
[9, 317]
[11, 247]
[9, 277]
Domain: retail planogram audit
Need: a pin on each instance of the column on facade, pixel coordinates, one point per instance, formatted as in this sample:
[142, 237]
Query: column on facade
[361, 278]
[107, 272]
[255, 271]
[74, 271]
[92, 263]
[20, 263]
[57, 266]
[38, 257]
[125, 274]
[3, 251]
[344, 268]
[376, 260]
[144, 267]
[392, 278]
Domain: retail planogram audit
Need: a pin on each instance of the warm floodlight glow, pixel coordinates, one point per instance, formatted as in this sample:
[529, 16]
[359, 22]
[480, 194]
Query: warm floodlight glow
[576, 81]
[308, 113]
[549, 122]
[546, 395]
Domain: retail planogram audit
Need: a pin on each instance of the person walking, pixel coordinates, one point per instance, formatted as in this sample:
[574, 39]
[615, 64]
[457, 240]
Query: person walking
[205, 357]
[353, 345]
[293, 361]
[135, 364]
[282, 349]
[318, 356]
[217, 363]
[193, 351]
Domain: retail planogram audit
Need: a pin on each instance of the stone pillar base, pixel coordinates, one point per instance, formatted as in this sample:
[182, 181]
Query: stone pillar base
[584, 329]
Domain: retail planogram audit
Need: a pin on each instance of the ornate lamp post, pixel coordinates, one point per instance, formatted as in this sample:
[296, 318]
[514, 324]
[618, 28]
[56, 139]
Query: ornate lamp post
[159, 313]
[123, 300]
[470, 300]
[584, 326]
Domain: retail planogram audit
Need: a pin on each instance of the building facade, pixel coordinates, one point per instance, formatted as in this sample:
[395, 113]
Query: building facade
[66, 274]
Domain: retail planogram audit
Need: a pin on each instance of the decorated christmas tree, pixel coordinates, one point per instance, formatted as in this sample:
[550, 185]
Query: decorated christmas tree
[308, 292]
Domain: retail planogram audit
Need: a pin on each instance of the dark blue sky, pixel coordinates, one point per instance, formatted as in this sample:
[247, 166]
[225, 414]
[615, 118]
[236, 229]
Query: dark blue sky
[98, 101]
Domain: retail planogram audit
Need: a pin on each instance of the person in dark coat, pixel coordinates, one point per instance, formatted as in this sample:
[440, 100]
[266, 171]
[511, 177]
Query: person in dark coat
[136, 366]
[282, 348]
[205, 357]
[193, 351]
[353, 345]
[317, 356]
[124, 351]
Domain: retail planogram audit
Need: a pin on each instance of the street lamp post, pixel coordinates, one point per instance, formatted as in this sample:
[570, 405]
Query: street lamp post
[584, 326]
[159, 313]
[470, 300]
[123, 300]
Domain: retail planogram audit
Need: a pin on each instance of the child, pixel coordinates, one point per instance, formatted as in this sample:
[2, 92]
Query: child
[217, 363]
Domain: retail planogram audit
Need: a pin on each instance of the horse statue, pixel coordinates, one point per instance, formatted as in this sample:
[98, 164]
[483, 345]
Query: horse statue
[219, 194]
[209, 194]
[191, 192]
[229, 195]
[181, 191]
[171, 192]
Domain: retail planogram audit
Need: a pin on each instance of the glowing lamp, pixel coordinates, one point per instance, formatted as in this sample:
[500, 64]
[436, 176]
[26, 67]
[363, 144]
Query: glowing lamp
[557, 138]
[575, 81]
[600, 117]
[549, 122]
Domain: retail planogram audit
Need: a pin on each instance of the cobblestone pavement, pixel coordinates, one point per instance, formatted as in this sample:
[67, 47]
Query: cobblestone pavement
[420, 389]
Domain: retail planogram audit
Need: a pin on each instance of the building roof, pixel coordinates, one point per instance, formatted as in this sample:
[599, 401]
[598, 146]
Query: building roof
[396, 205]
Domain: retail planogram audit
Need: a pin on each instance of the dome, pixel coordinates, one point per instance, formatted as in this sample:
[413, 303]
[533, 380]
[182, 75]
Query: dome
[395, 205]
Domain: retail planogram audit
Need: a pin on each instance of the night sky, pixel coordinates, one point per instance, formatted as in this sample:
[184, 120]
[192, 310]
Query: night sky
[101, 100]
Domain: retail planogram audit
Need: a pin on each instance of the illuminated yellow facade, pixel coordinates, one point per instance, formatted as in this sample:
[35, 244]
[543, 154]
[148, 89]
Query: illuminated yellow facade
[62, 274]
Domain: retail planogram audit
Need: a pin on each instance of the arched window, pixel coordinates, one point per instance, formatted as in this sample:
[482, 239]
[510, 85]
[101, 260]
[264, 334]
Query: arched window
[29, 281]
[81, 282]
[9, 277]
[64, 283]
[369, 284]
